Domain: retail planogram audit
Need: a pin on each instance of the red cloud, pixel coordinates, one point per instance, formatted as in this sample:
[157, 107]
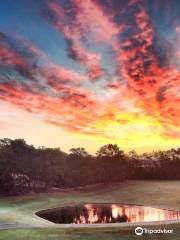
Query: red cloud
[9, 56]
[139, 84]
[73, 107]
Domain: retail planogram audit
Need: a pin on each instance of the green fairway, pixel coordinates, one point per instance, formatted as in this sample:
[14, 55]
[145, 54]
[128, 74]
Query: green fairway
[20, 210]
[84, 234]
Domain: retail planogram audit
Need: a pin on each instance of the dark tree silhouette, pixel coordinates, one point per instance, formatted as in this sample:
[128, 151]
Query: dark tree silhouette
[110, 150]
[24, 167]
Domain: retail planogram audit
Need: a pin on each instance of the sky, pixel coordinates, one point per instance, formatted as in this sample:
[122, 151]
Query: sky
[77, 73]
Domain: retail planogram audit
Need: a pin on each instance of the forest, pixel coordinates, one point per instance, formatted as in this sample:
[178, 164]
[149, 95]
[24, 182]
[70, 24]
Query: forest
[25, 168]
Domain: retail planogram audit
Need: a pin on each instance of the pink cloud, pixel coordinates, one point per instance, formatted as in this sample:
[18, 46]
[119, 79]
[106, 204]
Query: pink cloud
[73, 32]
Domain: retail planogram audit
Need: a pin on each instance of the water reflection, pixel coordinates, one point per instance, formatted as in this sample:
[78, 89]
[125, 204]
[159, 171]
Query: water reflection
[107, 213]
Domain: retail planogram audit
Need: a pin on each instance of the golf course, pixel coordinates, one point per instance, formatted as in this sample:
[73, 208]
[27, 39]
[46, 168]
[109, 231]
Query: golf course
[18, 220]
[90, 120]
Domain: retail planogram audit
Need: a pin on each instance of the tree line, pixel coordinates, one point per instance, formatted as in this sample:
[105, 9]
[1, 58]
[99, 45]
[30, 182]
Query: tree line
[24, 168]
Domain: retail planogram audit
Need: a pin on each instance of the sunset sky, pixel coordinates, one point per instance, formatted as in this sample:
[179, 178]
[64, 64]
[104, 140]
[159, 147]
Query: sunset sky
[91, 72]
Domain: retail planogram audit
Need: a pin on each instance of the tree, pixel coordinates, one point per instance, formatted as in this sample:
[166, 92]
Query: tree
[11, 154]
[80, 152]
[79, 167]
[110, 151]
[132, 163]
[48, 158]
[112, 163]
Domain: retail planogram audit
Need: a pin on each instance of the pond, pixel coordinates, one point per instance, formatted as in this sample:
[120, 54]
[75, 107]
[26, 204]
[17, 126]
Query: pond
[106, 213]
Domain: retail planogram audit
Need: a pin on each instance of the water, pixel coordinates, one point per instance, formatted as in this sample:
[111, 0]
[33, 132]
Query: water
[107, 213]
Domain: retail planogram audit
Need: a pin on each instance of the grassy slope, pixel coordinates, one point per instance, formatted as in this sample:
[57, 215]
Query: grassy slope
[20, 210]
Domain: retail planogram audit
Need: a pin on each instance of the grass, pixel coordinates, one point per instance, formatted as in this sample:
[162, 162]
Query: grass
[20, 210]
[83, 234]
